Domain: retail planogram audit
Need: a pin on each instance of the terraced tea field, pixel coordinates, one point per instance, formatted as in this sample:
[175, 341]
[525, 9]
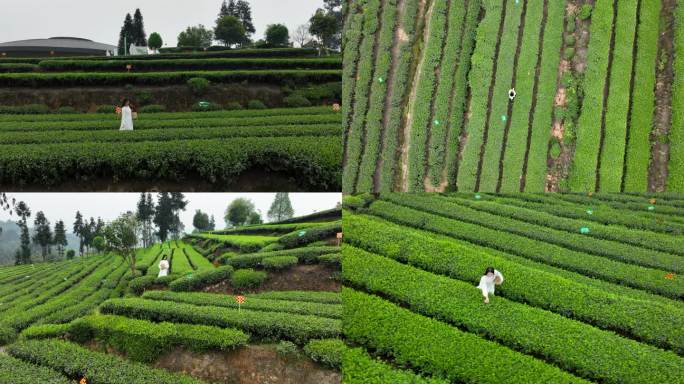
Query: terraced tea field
[592, 288]
[214, 147]
[90, 318]
[597, 103]
[231, 139]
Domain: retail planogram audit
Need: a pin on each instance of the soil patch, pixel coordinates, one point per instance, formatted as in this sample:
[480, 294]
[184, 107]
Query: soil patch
[314, 277]
[253, 364]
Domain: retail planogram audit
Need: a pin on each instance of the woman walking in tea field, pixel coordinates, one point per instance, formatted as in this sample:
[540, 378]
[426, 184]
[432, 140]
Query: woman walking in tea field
[489, 281]
[126, 112]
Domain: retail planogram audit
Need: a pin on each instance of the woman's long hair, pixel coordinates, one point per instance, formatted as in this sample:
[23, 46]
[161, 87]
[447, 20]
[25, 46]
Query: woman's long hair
[126, 100]
[489, 269]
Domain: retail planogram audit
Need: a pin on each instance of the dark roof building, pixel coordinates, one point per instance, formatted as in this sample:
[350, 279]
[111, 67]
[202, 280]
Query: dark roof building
[55, 46]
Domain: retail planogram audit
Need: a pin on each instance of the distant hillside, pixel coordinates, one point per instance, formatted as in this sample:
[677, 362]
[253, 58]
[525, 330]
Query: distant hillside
[9, 242]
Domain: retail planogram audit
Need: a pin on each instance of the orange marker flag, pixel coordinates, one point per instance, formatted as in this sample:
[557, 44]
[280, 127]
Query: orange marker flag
[670, 276]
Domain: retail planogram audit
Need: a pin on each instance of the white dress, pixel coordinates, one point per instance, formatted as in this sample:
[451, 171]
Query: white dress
[126, 119]
[487, 283]
[163, 268]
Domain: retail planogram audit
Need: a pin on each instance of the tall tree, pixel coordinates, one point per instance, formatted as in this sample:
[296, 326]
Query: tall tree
[212, 223]
[227, 9]
[138, 30]
[155, 42]
[178, 204]
[324, 27]
[230, 31]
[254, 218]
[238, 212]
[198, 36]
[243, 11]
[121, 237]
[145, 215]
[334, 9]
[302, 36]
[24, 253]
[200, 221]
[281, 208]
[59, 239]
[79, 230]
[277, 35]
[43, 234]
[126, 35]
[163, 215]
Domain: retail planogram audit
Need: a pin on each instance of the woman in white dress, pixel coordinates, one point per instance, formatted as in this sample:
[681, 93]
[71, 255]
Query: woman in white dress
[488, 281]
[126, 116]
[163, 268]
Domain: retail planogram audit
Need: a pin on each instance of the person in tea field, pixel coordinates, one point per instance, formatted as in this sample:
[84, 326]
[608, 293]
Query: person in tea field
[163, 267]
[126, 111]
[489, 281]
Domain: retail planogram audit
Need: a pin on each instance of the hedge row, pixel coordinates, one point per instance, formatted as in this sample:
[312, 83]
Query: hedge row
[45, 331]
[359, 368]
[298, 239]
[266, 229]
[265, 325]
[450, 99]
[277, 263]
[659, 242]
[197, 261]
[17, 67]
[373, 120]
[571, 345]
[636, 316]
[84, 79]
[672, 213]
[52, 118]
[643, 101]
[333, 311]
[327, 351]
[372, 16]
[675, 178]
[201, 279]
[187, 64]
[508, 43]
[305, 255]
[327, 215]
[145, 341]
[243, 243]
[617, 109]
[437, 348]
[480, 81]
[393, 117]
[308, 296]
[190, 122]
[527, 74]
[583, 173]
[603, 215]
[316, 162]
[78, 362]
[570, 241]
[20, 372]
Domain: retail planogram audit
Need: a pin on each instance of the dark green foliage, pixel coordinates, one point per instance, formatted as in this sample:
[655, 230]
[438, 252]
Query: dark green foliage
[296, 101]
[45, 331]
[77, 361]
[569, 53]
[305, 255]
[152, 108]
[302, 237]
[28, 109]
[7, 334]
[247, 278]
[66, 110]
[359, 368]
[585, 11]
[21, 372]
[110, 109]
[198, 85]
[332, 259]
[256, 104]
[308, 296]
[201, 279]
[326, 351]
[279, 262]
[234, 106]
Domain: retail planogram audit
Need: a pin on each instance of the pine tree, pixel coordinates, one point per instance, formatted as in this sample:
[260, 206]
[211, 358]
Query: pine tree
[79, 231]
[243, 11]
[43, 234]
[281, 209]
[212, 223]
[126, 35]
[60, 239]
[226, 9]
[139, 37]
[230, 10]
[23, 255]
[144, 215]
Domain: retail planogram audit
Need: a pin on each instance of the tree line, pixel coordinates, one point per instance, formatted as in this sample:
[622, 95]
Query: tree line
[234, 27]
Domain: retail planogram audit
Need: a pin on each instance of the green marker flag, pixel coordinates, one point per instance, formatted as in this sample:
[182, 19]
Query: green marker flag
[651, 207]
[436, 122]
[584, 230]
[477, 196]
[381, 80]
[503, 118]
[590, 211]
[301, 233]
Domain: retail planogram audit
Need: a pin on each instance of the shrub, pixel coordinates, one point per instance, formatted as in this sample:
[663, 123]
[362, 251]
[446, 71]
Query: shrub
[234, 106]
[256, 104]
[326, 351]
[279, 262]
[570, 28]
[45, 331]
[144, 97]
[202, 279]
[29, 109]
[198, 85]
[332, 259]
[272, 247]
[299, 238]
[247, 278]
[66, 110]
[105, 109]
[296, 101]
[266, 325]
[152, 108]
[585, 11]
[305, 255]
[287, 349]
[21, 372]
[570, 40]
[555, 148]
[98, 367]
[306, 296]
[139, 284]
[7, 334]
[70, 254]
[569, 53]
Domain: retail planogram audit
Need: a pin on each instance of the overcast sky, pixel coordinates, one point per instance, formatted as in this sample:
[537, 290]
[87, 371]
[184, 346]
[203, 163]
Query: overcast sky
[109, 205]
[101, 21]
